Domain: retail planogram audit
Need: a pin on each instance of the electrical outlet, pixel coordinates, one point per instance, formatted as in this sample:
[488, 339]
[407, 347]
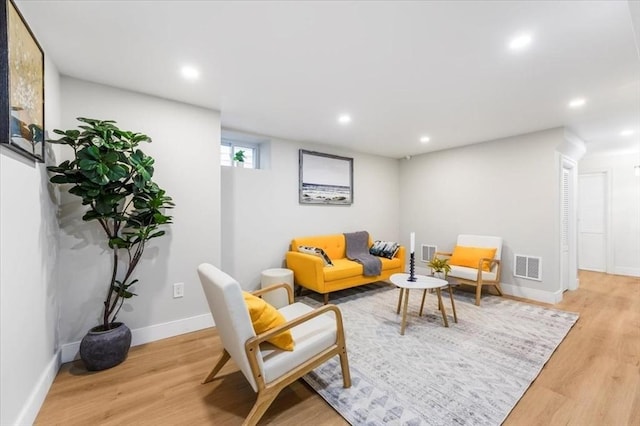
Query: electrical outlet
[178, 290]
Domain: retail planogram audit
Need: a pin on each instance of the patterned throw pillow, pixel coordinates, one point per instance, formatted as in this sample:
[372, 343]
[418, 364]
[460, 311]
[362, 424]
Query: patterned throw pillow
[386, 249]
[316, 252]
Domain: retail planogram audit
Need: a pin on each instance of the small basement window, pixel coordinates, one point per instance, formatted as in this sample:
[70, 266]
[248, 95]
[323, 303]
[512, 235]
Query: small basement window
[229, 148]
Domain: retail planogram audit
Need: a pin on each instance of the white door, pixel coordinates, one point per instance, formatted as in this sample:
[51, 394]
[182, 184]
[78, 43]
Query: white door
[592, 236]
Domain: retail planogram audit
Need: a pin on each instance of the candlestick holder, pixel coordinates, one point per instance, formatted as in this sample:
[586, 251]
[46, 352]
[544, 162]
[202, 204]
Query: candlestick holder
[412, 268]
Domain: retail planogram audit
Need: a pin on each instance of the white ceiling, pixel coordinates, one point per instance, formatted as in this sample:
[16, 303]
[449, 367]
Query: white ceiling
[400, 69]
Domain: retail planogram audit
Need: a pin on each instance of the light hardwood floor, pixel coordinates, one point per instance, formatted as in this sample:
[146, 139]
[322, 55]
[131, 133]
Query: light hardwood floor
[593, 378]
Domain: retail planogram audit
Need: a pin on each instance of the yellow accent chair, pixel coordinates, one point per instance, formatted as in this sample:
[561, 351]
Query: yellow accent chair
[318, 335]
[475, 261]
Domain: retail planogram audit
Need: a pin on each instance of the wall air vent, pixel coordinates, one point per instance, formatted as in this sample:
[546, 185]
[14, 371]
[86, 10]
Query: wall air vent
[427, 252]
[528, 267]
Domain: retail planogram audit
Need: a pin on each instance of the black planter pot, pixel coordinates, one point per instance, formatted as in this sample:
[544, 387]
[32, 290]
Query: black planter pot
[105, 349]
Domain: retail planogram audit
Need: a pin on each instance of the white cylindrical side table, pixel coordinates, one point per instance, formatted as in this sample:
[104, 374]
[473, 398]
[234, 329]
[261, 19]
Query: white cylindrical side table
[277, 298]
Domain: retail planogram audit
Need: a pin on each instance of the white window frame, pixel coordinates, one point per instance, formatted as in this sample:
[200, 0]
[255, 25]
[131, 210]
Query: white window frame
[255, 147]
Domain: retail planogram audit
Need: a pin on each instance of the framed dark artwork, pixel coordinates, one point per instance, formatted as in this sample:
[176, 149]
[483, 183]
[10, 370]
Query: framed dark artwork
[21, 85]
[325, 179]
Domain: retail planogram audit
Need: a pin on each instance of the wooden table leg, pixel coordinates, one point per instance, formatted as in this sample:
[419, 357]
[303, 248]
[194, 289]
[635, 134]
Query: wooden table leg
[424, 294]
[444, 314]
[404, 311]
[453, 305]
[400, 300]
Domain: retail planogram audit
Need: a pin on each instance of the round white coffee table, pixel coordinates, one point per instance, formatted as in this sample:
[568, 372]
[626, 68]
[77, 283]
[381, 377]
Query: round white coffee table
[424, 283]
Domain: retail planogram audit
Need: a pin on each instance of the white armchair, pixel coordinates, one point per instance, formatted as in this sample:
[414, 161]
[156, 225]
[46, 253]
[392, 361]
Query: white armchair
[317, 333]
[476, 275]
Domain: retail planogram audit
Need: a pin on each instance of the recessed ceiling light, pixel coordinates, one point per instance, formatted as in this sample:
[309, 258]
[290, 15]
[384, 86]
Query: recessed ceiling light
[627, 132]
[425, 139]
[190, 73]
[520, 42]
[344, 119]
[577, 103]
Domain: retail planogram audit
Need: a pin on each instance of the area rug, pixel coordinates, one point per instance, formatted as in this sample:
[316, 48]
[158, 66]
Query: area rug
[472, 373]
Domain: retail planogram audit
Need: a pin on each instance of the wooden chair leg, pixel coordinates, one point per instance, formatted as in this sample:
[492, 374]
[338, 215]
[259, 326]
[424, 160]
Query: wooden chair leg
[499, 289]
[344, 365]
[478, 291]
[224, 357]
[326, 298]
[264, 400]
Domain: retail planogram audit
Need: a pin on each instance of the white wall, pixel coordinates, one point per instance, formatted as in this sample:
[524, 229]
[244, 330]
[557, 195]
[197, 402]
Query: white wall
[507, 187]
[186, 150]
[261, 213]
[623, 209]
[28, 293]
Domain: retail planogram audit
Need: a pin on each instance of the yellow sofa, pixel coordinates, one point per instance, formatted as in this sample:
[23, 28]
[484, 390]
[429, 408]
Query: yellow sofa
[309, 270]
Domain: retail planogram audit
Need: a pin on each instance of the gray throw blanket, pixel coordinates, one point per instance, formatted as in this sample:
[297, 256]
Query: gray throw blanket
[358, 250]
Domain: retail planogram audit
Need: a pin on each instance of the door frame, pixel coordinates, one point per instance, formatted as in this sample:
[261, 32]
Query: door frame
[571, 166]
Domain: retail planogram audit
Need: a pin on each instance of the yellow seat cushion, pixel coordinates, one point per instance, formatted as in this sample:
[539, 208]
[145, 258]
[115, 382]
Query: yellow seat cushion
[470, 256]
[342, 268]
[265, 317]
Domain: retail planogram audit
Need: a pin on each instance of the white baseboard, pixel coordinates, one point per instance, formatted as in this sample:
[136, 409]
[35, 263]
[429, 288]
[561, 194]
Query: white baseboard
[631, 272]
[32, 406]
[69, 351]
[575, 285]
[513, 290]
[140, 336]
[532, 293]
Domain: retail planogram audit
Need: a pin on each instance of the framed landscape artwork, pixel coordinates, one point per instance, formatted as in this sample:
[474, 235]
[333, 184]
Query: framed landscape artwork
[325, 179]
[21, 85]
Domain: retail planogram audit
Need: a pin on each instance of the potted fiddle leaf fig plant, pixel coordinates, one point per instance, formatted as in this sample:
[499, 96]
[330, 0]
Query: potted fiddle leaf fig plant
[114, 179]
[440, 267]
